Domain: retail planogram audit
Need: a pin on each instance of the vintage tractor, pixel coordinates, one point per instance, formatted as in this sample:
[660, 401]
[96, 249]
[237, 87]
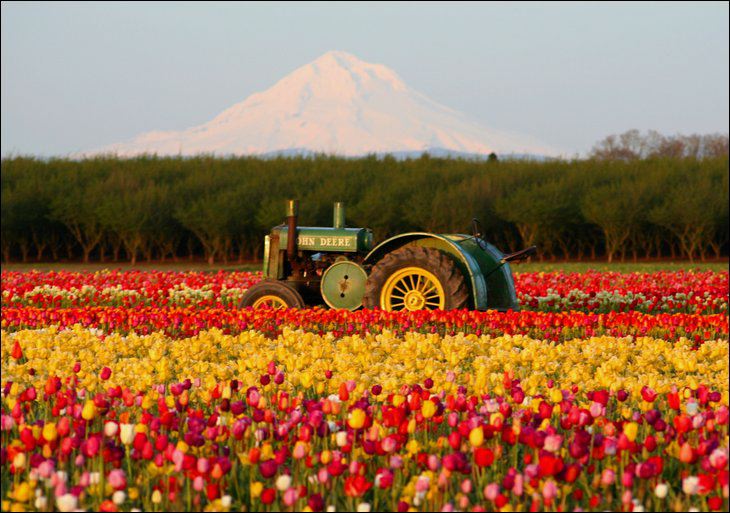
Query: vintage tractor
[340, 267]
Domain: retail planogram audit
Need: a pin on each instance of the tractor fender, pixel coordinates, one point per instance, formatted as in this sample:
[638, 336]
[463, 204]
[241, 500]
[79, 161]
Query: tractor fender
[464, 259]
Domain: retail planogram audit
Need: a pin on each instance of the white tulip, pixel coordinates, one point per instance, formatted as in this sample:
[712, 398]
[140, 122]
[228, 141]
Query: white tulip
[283, 482]
[690, 485]
[110, 429]
[67, 502]
[119, 497]
[126, 433]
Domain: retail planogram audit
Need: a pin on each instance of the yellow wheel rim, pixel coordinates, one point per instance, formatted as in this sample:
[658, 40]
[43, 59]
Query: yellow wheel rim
[270, 301]
[412, 288]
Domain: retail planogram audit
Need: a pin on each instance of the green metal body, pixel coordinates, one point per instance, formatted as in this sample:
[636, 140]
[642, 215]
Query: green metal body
[314, 239]
[492, 285]
[332, 263]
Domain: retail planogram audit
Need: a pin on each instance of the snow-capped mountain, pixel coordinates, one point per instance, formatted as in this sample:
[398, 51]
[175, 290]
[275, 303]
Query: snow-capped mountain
[337, 104]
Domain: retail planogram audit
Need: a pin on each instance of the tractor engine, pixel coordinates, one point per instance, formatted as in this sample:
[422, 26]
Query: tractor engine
[303, 255]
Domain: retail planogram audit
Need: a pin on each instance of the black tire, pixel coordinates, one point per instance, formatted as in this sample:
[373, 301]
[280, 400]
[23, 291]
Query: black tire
[281, 290]
[439, 264]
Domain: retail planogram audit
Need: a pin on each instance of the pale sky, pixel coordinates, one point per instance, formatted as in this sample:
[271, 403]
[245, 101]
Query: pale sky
[77, 76]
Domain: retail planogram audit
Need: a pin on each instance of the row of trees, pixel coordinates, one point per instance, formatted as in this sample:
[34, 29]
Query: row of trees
[171, 208]
[633, 145]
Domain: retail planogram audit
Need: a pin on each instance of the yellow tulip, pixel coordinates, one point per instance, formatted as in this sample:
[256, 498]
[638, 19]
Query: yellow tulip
[357, 418]
[476, 436]
[19, 460]
[89, 411]
[556, 395]
[23, 492]
[256, 488]
[49, 431]
[325, 457]
[428, 409]
[631, 429]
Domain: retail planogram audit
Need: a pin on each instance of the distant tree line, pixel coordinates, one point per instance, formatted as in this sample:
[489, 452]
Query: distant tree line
[633, 145]
[626, 201]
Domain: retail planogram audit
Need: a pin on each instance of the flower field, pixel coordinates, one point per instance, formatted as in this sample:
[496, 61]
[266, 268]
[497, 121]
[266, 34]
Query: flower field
[152, 391]
[598, 292]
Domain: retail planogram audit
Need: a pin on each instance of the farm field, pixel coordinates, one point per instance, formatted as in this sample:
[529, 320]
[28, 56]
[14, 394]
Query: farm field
[151, 390]
[184, 266]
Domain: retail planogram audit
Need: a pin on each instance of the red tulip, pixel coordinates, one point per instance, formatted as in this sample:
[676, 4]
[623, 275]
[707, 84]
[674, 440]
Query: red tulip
[17, 352]
[648, 394]
[483, 456]
[356, 486]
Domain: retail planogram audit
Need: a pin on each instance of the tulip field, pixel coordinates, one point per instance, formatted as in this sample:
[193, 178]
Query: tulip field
[154, 391]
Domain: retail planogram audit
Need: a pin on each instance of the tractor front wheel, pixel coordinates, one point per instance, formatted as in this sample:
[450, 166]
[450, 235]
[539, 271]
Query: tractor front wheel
[416, 278]
[272, 294]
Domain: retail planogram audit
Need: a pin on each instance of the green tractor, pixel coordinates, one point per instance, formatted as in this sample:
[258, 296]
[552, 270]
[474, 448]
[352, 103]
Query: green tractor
[342, 267]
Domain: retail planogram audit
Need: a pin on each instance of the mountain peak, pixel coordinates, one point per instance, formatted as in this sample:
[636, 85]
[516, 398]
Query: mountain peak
[339, 58]
[344, 70]
[336, 104]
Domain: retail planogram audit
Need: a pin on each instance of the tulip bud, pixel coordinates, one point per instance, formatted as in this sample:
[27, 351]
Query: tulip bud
[690, 485]
[126, 433]
[356, 419]
[89, 411]
[283, 482]
[686, 454]
[608, 476]
[110, 429]
[631, 429]
[428, 409]
[49, 432]
[67, 502]
[549, 490]
[17, 352]
[476, 436]
[19, 461]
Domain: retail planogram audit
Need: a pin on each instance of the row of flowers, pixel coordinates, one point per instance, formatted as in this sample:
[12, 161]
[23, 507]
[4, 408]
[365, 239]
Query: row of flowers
[315, 423]
[144, 361]
[682, 291]
[556, 326]
[125, 288]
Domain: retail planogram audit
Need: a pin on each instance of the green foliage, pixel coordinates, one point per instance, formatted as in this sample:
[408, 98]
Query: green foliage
[221, 208]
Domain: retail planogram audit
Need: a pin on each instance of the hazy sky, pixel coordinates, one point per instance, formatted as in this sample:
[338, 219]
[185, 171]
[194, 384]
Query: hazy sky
[81, 76]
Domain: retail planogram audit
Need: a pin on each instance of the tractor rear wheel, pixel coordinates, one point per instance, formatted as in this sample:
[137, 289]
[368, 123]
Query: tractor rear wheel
[271, 294]
[416, 278]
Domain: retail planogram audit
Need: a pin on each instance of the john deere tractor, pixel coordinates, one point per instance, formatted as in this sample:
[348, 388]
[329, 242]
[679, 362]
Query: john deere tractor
[341, 267]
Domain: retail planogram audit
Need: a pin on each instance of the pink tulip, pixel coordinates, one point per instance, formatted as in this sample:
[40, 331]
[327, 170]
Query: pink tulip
[608, 476]
[553, 443]
[549, 490]
[290, 496]
[323, 475]
[117, 479]
[466, 486]
[491, 491]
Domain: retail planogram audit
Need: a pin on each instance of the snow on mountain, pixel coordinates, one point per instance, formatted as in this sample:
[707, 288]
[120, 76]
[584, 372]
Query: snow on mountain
[337, 104]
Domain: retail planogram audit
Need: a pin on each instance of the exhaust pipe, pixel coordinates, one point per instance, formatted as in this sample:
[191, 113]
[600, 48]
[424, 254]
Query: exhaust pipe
[339, 215]
[292, 208]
